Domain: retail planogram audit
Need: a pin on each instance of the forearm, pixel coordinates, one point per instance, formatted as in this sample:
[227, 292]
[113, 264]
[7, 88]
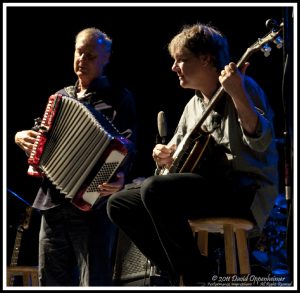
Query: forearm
[247, 113]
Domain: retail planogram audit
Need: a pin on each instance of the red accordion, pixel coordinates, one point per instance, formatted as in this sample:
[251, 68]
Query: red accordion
[77, 149]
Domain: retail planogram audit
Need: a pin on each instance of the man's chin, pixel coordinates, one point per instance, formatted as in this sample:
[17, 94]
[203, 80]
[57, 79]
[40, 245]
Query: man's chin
[82, 75]
[183, 84]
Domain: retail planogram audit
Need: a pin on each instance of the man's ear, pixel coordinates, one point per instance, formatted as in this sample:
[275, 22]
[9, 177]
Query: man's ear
[205, 59]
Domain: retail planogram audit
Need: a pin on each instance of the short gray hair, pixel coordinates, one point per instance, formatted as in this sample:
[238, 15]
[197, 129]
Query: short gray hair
[98, 35]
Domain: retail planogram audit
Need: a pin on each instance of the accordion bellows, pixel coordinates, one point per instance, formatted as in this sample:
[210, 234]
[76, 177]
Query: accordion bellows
[77, 149]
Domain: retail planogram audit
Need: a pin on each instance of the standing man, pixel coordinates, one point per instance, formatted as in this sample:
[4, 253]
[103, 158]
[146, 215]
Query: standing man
[76, 248]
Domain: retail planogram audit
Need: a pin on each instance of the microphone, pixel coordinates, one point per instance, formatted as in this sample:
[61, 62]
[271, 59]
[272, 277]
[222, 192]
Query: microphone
[162, 127]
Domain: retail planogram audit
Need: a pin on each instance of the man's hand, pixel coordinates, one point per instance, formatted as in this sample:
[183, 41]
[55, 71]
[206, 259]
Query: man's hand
[25, 140]
[162, 154]
[112, 187]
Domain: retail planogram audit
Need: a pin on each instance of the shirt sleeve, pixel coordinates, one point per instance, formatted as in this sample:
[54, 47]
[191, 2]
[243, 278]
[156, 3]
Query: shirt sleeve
[264, 134]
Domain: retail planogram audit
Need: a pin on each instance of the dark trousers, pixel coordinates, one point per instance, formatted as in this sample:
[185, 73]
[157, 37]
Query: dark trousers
[156, 216]
[76, 248]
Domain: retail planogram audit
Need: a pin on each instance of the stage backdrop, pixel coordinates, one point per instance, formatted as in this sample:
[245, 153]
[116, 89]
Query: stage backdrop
[40, 45]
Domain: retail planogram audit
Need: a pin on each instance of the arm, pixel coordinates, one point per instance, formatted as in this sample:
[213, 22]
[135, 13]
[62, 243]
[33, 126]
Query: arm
[232, 81]
[254, 113]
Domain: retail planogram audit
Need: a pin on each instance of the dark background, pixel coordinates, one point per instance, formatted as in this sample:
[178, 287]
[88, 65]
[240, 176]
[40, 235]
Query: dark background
[40, 46]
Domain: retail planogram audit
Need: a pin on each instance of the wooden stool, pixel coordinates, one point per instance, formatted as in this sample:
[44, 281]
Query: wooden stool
[29, 275]
[231, 228]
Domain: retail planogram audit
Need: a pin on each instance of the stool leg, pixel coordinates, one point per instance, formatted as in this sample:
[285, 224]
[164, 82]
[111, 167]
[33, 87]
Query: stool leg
[243, 253]
[181, 284]
[202, 242]
[26, 279]
[230, 251]
[34, 279]
[10, 279]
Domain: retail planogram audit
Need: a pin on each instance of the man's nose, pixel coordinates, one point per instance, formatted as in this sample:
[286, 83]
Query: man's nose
[174, 66]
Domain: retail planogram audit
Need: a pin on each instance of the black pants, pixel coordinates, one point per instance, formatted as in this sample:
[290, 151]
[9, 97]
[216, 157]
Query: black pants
[76, 248]
[155, 216]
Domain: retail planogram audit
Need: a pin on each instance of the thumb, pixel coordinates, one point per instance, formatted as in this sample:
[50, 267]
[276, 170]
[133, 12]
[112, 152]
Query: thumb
[244, 67]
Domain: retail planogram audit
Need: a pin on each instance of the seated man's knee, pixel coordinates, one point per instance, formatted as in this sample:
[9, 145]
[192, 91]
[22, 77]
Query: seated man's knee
[153, 191]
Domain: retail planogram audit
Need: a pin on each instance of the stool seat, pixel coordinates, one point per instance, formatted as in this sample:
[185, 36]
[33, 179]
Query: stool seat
[216, 225]
[235, 234]
[29, 275]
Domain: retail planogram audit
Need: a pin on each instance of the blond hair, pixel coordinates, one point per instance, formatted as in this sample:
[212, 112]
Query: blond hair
[201, 39]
